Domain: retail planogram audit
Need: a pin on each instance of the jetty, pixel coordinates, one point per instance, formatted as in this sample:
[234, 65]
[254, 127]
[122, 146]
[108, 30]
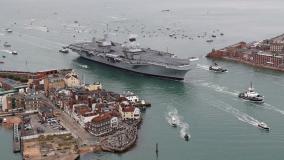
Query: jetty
[16, 139]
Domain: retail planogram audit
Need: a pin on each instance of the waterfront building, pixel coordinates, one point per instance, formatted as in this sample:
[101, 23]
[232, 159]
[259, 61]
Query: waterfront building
[72, 80]
[12, 102]
[131, 97]
[102, 124]
[129, 112]
[10, 84]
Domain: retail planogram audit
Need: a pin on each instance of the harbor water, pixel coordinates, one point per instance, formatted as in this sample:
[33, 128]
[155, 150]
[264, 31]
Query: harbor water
[221, 126]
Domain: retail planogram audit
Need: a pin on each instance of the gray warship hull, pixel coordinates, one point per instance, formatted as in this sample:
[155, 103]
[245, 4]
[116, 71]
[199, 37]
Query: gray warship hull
[145, 69]
[143, 61]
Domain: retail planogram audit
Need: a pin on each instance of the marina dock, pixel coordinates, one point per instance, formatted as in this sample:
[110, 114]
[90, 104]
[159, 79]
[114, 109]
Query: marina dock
[16, 139]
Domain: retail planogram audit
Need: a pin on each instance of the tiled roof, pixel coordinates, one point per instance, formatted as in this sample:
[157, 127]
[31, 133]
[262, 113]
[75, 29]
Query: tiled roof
[128, 109]
[102, 118]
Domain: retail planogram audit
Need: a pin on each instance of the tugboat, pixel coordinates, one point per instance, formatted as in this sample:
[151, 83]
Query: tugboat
[64, 50]
[217, 68]
[263, 126]
[186, 137]
[251, 95]
[173, 122]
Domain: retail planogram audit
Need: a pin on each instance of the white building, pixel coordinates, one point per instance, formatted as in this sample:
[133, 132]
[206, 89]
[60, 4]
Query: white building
[131, 97]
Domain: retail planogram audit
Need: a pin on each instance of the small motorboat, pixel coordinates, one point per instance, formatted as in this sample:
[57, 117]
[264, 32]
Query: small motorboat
[14, 53]
[6, 44]
[9, 30]
[64, 50]
[209, 40]
[217, 68]
[173, 122]
[186, 137]
[263, 126]
[251, 95]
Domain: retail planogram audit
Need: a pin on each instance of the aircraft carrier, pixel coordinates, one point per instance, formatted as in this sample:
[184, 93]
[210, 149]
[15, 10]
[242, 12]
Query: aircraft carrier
[129, 56]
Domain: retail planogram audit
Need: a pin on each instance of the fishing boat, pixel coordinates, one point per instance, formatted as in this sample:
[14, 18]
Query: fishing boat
[217, 68]
[251, 95]
[263, 125]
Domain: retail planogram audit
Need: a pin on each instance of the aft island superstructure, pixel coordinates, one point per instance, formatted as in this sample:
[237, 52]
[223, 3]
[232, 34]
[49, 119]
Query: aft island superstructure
[129, 56]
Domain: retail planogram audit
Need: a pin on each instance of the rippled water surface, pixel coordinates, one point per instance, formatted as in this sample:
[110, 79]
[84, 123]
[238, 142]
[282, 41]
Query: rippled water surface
[221, 126]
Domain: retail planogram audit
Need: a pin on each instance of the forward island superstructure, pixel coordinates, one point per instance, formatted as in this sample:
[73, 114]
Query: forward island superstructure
[129, 56]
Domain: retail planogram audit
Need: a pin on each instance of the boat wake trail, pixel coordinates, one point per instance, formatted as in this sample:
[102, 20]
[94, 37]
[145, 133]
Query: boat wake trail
[236, 113]
[218, 88]
[6, 51]
[204, 67]
[184, 126]
[271, 107]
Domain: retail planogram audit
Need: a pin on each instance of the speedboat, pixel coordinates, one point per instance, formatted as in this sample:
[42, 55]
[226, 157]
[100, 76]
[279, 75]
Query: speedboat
[217, 68]
[251, 95]
[14, 53]
[64, 50]
[173, 122]
[186, 137]
[263, 126]
[9, 30]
